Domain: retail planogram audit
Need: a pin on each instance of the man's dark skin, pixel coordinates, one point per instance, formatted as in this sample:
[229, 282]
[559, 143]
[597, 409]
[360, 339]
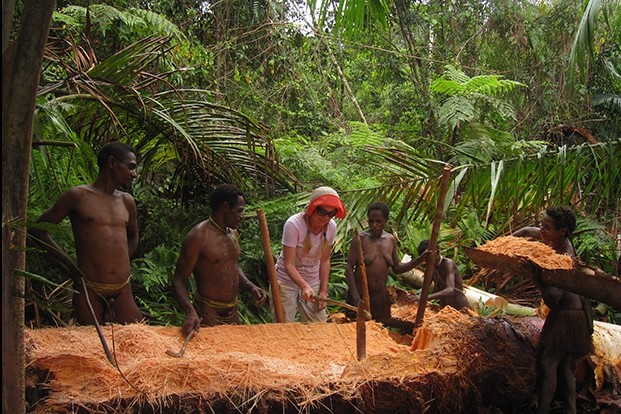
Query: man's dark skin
[448, 285]
[211, 253]
[105, 231]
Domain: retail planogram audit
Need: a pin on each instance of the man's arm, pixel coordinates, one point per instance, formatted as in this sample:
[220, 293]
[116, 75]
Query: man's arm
[245, 284]
[190, 251]
[132, 225]
[448, 272]
[62, 208]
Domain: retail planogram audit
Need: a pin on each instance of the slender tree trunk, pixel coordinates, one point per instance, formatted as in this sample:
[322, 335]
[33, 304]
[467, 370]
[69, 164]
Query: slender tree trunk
[321, 35]
[348, 89]
[20, 80]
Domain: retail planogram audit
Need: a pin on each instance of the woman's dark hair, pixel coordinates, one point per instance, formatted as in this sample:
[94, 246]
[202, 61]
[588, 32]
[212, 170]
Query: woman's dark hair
[563, 217]
[380, 206]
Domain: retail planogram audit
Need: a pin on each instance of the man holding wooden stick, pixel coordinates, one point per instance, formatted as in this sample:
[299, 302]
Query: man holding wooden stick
[210, 251]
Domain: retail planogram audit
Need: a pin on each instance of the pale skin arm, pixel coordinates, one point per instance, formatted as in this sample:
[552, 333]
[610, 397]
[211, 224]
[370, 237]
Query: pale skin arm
[190, 252]
[61, 209]
[289, 255]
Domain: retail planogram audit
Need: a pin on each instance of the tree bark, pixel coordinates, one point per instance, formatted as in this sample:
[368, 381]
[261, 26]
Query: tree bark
[20, 80]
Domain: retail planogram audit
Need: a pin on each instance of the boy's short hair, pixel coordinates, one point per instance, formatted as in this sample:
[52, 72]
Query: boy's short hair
[117, 149]
[224, 193]
[423, 246]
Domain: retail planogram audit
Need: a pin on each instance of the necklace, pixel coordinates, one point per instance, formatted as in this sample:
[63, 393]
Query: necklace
[233, 235]
[227, 231]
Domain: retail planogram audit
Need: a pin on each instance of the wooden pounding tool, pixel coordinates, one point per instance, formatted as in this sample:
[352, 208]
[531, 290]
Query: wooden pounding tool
[342, 305]
[433, 242]
[363, 272]
[185, 344]
[362, 315]
[271, 270]
[361, 333]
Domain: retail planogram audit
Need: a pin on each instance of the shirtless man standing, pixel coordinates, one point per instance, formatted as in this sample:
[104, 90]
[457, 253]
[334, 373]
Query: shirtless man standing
[380, 255]
[210, 251]
[105, 233]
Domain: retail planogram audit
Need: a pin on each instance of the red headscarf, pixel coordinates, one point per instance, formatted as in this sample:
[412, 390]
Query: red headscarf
[326, 197]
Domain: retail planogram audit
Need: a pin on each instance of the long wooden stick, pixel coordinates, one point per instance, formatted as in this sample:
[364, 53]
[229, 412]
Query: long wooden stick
[363, 272]
[352, 308]
[361, 333]
[433, 242]
[100, 333]
[271, 269]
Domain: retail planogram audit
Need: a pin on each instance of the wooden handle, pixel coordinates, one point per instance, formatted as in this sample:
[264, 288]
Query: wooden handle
[363, 272]
[271, 269]
[361, 333]
[433, 243]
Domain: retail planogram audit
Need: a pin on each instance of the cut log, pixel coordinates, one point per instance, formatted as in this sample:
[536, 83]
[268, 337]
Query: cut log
[457, 362]
[414, 278]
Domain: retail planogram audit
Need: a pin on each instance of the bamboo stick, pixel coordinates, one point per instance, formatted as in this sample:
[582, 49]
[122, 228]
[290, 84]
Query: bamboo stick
[433, 242]
[271, 269]
[363, 272]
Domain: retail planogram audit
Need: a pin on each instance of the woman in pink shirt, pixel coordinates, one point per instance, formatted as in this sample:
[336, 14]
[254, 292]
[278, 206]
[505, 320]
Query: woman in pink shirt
[303, 266]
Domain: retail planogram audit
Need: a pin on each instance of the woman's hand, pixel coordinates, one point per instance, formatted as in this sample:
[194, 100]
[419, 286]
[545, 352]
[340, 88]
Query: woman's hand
[532, 270]
[308, 293]
[321, 304]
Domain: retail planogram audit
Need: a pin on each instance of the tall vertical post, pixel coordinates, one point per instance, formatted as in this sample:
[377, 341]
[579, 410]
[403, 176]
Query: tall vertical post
[433, 243]
[362, 268]
[271, 269]
[361, 332]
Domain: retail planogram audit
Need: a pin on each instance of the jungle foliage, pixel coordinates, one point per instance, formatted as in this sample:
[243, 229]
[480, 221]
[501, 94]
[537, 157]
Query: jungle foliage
[521, 99]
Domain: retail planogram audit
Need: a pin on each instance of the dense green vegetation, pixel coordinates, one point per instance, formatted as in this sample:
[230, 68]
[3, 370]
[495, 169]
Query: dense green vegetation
[522, 99]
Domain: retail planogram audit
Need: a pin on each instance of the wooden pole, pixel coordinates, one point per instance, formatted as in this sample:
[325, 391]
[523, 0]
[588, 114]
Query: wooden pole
[363, 272]
[361, 333]
[433, 242]
[271, 269]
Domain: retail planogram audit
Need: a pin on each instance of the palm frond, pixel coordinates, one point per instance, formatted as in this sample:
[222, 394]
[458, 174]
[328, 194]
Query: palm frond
[209, 143]
[507, 194]
[582, 52]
